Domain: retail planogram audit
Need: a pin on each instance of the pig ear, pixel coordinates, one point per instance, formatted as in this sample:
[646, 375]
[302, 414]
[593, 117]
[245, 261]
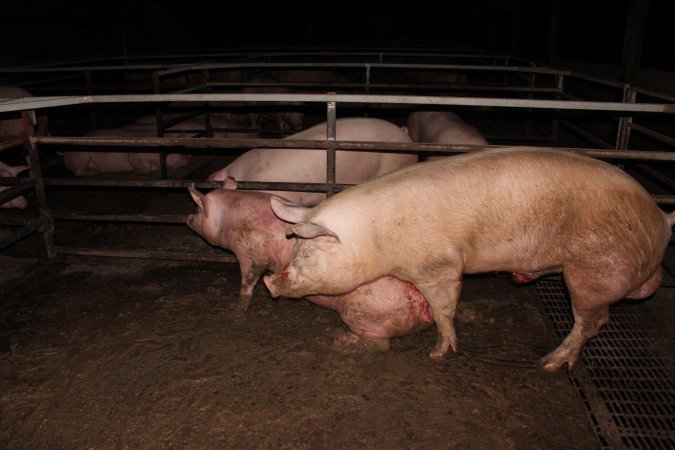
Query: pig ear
[197, 196]
[230, 183]
[288, 211]
[309, 230]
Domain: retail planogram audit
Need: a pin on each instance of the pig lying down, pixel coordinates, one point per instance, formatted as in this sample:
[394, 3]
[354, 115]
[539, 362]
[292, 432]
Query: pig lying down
[19, 202]
[442, 127]
[518, 210]
[244, 223]
[309, 166]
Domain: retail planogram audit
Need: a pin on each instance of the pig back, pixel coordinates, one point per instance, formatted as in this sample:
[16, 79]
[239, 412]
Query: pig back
[508, 209]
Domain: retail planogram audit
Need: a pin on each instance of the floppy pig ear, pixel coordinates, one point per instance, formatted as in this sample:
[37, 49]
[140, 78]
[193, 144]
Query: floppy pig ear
[309, 230]
[288, 211]
[230, 183]
[197, 196]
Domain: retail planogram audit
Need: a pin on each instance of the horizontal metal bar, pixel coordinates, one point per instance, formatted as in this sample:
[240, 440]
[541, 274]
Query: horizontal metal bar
[656, 175]
[15, 191]
[11, 142]
[585, 134]
[146, 218]
[146, 254]
[185, 67]
[27, 103]
[651, 133]
[20, 234]
[178, 184]
[214, 144]
[664, 199]
[14, 221]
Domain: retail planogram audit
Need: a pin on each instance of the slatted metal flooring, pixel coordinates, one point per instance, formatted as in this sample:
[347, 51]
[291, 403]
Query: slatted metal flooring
[626, 376]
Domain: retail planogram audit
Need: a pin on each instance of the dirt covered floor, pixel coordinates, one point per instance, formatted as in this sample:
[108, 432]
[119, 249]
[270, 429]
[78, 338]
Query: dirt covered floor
[123, 353]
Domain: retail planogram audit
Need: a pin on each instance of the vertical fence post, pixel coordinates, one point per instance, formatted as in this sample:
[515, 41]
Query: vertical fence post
[331, 132]
[46, 219]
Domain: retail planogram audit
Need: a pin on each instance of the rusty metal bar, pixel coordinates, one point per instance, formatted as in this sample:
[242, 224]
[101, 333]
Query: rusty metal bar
[15, 191]
[555, 123]
[653, 134]
[46, 221]
[11, 142]
[348, 145]
[585, 134]
[147, 218]
[146, 254]
[623, 132]
[330, 149]
[90, 91]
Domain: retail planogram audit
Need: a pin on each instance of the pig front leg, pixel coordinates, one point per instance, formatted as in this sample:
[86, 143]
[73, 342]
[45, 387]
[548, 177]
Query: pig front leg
[442, 298]
[587, 323]
[250, 274]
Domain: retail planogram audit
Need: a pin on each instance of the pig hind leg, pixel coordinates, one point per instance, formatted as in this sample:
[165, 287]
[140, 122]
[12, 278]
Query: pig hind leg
[590, 305]
[442, 298]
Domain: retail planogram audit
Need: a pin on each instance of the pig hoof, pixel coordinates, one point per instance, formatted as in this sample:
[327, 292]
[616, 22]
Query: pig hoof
[240, 307]
[437, 354]
[552, 364]
[352, 342]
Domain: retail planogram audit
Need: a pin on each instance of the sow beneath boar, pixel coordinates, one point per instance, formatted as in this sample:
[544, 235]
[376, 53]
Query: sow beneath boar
[244, 223]
[518, 210]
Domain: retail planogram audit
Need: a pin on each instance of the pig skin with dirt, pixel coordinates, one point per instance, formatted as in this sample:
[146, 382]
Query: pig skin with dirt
[19, 202]
[309, 166]
[519, 210]
[243, 222]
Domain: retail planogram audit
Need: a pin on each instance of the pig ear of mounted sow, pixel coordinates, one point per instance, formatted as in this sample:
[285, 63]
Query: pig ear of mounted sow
[288, 211]
[309, 230]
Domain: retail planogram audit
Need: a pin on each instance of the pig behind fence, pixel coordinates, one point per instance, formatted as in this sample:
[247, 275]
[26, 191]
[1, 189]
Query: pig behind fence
[309, 166]
[244, 223]
[19, 202]
[519, 210]
[442, 127]
[94, 163]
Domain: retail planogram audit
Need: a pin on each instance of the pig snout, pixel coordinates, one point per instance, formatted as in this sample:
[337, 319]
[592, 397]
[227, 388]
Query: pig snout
[194, 222]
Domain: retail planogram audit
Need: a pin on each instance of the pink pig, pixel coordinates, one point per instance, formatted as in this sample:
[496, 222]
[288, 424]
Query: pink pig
[244, 223]
[519, 210]
[8, 171]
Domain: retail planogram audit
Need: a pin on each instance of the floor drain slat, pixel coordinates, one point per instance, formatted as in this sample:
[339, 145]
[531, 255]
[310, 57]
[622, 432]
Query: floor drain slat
[627, 379]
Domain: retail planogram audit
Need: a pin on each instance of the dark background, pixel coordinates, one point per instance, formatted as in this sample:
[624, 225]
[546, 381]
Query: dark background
[589, 31]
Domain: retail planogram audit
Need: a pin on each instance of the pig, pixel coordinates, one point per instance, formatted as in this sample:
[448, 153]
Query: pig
[11, 124]
[19, 202]
[309, 166]
[83, 163]
[93, 163]
[521, 210]
[243, 222]
[442, 127]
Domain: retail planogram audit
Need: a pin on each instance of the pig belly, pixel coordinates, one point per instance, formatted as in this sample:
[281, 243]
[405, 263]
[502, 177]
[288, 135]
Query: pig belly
[382, 309]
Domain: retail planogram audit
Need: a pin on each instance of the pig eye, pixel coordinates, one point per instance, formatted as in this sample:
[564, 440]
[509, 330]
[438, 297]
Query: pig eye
[306, 252]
